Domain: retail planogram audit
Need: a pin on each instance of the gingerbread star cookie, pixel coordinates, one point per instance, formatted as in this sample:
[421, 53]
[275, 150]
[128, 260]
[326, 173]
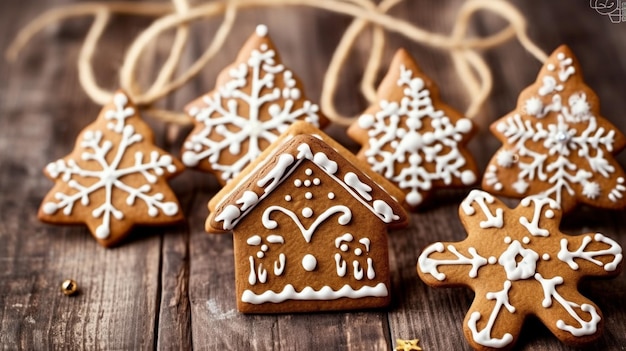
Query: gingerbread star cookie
[255, 100]
[519, 264]
[114, 178]
[413, 138]
[556, 142]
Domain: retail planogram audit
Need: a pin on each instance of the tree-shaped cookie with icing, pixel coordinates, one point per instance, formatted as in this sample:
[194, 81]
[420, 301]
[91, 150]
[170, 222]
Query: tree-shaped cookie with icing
[255, 100]
[556, 142]
[114, 178]
[519, 264]
[413, 138]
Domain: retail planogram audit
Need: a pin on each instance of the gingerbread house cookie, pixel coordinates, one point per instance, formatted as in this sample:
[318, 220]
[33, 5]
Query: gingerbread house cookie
[556, 142]
[114, 178]
[413, 138]
[310, 228]
[519, 264]
[255, 100]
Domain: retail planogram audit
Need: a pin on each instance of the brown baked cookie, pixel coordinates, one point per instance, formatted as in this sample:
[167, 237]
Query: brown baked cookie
[413, 138]
[519, 264]
[255, 100]
[556, 142]
[114, 178]
[310, 228]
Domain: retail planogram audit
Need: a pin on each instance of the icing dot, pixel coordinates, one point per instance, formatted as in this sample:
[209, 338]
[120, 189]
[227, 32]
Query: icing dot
[260, 254]
[468, 177]
[308, 195]
[498, 186]
[550, 67]
[507, 239]
[297, 183]
[307, 183]
[492, 260]
[261, 30]
[307, 212]
[549, 214]
[525, 240]
[308, 171]
[343, 247]
[287, 197]
[620, 180]
[331, 195]
[316, 181]
[366, 121]
[309, 262]
[560, 56]
[545, 257]
[264, 248]
[358, 251]
[263, 47]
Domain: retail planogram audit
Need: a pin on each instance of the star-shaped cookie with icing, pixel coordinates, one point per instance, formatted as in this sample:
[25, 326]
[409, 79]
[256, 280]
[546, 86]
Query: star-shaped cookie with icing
[519, 264]
[556, 142]
[255, 100]
[413, 138]
[114, 178]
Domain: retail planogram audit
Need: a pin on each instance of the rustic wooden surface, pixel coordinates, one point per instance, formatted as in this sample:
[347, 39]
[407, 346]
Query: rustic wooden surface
[172, 288]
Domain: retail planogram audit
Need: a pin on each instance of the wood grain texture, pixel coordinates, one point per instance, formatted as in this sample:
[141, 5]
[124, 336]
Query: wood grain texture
[173, 287]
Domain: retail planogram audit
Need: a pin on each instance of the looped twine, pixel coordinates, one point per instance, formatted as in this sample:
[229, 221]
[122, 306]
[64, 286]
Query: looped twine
[471, 68]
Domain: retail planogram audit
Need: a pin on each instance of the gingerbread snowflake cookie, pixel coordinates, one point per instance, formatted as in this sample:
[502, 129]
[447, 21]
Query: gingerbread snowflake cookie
[556, 143]
[114, 178]
[413, 138]
[309, 226]
[255, 100]
[519, 264]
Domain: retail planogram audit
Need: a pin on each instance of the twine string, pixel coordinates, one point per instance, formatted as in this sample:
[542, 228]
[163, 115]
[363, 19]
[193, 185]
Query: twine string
[470, 66]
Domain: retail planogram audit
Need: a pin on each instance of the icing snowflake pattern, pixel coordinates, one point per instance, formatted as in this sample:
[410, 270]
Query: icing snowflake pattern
[535, 252]
[259, 101]
[556, 143]
[414, 141]
[100, 170]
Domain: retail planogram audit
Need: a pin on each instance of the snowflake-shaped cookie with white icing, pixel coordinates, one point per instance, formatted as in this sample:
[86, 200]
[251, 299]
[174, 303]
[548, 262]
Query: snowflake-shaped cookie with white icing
[115, 177]
[556, 143]
[519, 264]
[255, 100]
[411, 137]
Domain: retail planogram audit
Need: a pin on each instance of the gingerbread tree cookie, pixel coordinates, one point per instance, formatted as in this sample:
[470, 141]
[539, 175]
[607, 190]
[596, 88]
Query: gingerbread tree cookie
[411, 137]
[519, 264]
[114, 178]
[255, 100]
[556, 143]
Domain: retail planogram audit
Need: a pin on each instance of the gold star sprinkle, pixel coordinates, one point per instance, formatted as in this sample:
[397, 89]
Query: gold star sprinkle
[408, 345]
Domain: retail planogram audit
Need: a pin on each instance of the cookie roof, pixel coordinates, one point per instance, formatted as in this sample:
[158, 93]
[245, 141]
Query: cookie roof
[304, 142]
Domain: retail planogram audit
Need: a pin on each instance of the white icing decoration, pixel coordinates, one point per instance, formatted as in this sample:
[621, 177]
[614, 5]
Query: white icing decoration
[341, 265]
[518, 270]
[384, 211]
[105, 173]
[331, 195]
[254, 240]
[361, 188]
[345, 237]
[491, 178]
[614, 250]
[297, 183]
[397, 134]
[248, 199]
[483, 337]
[262, 273]
[505, 158]
[287, 198]
[275, 239]
[308, 293]
[482, 198]
[228, 215]
[251, 87]
[316, 181]
[549, 290]
[535, 140]
[279, 267]
[358, 251]
[371, 274]
[261, 30]
[507, 239]
[275, 174]
[308, 195]
[307, 183]
[343, 247]
[618, 191]
[545, 257]
[308, 171]
[429, 265]
[252, 275]
[260, 254]
[525, 240]
[358, 271]
[538, 202]
[492, 260]
[307, 212]
[309, 262]
[307, 233]
[264, 248]
[366, 242]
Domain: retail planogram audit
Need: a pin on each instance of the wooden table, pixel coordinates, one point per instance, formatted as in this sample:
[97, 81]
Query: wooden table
[173, 287]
